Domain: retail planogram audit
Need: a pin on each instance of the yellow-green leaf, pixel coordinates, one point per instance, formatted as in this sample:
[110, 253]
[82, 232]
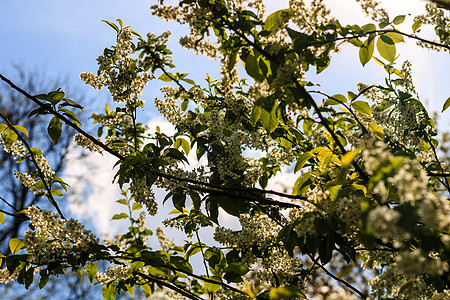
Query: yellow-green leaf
[362, 107]
[21, 129]
[399, 19]
[15, 245]
[336, 100]
[91, 270]
[302, 160]
[416, 25]
[109, 291]
[446, 104]
[183, 143]
[386, 48]
[120, 216]
[348, 157]
[285, 292]
[136, 206]
[394, 36]
[376, 130]
[366, 51]
[2, 218]
[122, 201]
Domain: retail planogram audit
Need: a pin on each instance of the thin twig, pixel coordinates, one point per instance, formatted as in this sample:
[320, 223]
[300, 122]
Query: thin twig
[169, 285]
[337, 278]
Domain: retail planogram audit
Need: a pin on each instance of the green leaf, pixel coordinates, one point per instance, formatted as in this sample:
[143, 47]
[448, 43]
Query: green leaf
[285, 292]
[348, 157]
[91, 270]
[416, 25]
[136, 206]
[21, 129]
[109, 291]
[56, 193]
[399, 19]
[366, 51]
[2, 218]
[136, 265]
[179, 200]
[394, 36]
[122, 201]
[15, 245]
[376, 130]
[3, 127]
[302, 160]
[54, 129]
[44, 279]
[362, 107]
[183, 143]
[238, 268]
[256, 114]
[211, 287]
[386, 48]
[114, 26]
[146, 288]
[181, 264]
[336, 100]
[276, 20]
[120, 216]
[164, 77]
[446, 104]
[252, 67]
[269, 120]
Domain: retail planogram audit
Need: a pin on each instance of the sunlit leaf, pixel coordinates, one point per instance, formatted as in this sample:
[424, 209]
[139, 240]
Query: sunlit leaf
[386, 48]
[446, 104]
[399, 19]
[91, 270]
[15, 245]
[362, 107]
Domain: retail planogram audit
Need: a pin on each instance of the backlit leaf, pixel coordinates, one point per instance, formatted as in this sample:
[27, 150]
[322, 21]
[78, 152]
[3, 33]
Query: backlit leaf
[376, 130]
[15, 245]
[366, 51]
[399, 19]
[362, 107]
[446, 104]
[386, 48]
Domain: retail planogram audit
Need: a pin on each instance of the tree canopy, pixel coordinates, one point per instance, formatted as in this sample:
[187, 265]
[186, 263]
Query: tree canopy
[366, 217]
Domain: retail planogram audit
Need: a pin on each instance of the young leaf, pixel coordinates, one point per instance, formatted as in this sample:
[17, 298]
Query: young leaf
[54, 129]
[120, 216]
[399, 19]
[91, 270]
[366, 51]
[362, 107]
[109, 291]
[416, 25]
[376, 130]
[386, 48]
[21, 129]
[446, 104]
[336, 100]
[15, 245]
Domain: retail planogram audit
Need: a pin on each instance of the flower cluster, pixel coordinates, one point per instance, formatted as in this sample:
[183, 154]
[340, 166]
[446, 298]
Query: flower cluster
[144, 195]
[120, 73]
[54, 237]
[84, 142]
[17, 149]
